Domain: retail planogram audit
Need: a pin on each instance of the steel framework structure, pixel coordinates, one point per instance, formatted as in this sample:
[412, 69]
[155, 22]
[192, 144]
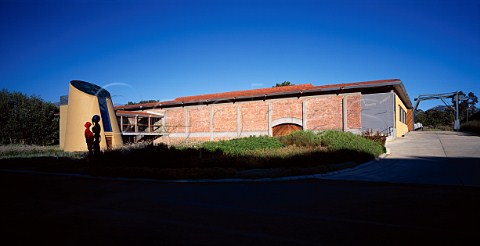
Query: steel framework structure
[455, 95]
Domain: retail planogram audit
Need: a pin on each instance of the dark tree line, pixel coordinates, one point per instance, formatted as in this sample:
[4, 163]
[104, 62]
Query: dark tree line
[466, 108]
[143, 101]
[284, 83]
[437, 118]
[27, 120]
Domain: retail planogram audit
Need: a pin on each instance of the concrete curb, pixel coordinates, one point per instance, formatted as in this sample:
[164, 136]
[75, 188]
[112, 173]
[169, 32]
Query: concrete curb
[384, 155]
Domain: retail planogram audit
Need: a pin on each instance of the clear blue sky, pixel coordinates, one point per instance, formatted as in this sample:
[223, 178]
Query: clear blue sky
[142, 50]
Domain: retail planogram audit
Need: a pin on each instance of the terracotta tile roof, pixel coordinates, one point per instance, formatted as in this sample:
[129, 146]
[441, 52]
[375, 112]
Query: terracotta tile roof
[357, 84]
[277, 90]
[143, 105]
[265, 92]
[245, 93]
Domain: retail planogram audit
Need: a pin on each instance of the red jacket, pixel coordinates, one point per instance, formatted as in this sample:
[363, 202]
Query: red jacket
[88, 136]
[88, 133]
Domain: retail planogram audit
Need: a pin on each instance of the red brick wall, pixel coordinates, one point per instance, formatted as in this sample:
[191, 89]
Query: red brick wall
[175, 120]
[354, 111]
[324, 113]
[225, 117]
[199, 119]
[254, 116]
[286, 108]
[321, 113]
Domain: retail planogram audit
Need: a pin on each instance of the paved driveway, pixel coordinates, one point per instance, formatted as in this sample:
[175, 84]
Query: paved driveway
[441, 158]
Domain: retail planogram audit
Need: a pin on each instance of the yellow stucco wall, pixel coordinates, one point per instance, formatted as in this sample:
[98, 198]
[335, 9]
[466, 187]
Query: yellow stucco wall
[81, 107]
[116, 133]
[401, 127]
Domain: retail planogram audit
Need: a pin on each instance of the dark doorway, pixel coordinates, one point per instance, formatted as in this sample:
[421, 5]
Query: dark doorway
[285, 129]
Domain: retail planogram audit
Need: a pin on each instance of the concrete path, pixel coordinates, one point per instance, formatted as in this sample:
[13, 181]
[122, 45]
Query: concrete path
[439, 158]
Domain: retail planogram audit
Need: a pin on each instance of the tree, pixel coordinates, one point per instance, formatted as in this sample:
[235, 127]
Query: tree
[466, 108]
[435, 118]
[420, 116]
[27, 120]
[284, 83]
[143, 101]
[472, 100]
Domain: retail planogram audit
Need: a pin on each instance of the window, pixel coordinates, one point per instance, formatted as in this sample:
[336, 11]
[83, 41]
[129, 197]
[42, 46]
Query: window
[102, 103]
[403, 115]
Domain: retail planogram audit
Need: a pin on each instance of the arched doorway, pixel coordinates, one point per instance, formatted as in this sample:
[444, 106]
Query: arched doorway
[285, 129]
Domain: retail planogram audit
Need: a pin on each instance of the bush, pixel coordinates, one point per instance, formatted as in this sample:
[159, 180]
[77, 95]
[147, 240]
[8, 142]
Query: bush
[337, 140]
[471, 126]
[301, 139]
[241, 145]
[377, 137]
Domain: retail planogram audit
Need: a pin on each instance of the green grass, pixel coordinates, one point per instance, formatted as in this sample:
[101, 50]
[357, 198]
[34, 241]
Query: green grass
[293, 154]
[28, 151]
[301, 139]
[336, 140]
[240, 145]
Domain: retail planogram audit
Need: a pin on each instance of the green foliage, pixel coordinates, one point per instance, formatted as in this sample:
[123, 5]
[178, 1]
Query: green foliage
[284, 83]
[433, 118]
[301, 139]
[337, 140]
[27, 151]
[476, 116]
[143, 101]
[377, 137]
[465, 108]
[471, 126]
[420, 116]
[443, 120]
[243, 157]
[27, 120]
[241, 145]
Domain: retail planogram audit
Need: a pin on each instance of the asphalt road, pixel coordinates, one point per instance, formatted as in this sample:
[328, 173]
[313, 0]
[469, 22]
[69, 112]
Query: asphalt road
[62, 210]
[415, 202]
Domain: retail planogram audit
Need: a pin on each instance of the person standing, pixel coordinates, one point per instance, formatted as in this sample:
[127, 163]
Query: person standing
[96, 135]
[89, 139]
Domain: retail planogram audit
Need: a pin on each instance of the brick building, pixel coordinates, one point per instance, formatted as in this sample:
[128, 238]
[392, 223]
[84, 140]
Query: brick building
[381, 105]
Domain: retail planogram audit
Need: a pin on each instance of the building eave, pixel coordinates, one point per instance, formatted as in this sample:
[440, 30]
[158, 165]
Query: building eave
[394, 84]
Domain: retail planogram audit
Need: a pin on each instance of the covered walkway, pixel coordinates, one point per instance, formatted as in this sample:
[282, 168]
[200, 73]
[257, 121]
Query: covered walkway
[139, 125]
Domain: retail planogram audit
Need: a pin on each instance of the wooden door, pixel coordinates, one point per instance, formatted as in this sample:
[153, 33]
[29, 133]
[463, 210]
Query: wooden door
[285, 129]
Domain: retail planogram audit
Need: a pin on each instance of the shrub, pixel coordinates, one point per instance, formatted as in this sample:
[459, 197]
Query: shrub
[241, 145]
[301, 139]
[471, 126]
[377, 137]
[337, 140]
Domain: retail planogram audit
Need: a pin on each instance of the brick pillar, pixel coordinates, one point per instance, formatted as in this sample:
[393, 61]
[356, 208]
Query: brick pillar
[239, 121]
[344, 113]
[304, 115]
[270, 119]
[211, 122]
